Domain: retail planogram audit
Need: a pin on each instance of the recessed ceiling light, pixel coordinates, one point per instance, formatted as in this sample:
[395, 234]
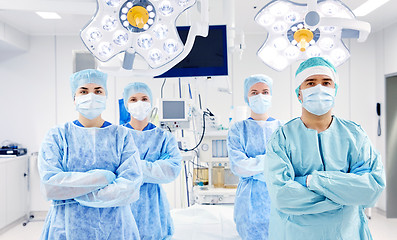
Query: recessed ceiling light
[49, 15]
[368, 7]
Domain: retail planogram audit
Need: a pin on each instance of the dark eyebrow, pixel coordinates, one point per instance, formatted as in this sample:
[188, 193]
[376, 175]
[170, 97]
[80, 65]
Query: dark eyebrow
[84, 88]
[98, 88]
[310, 80]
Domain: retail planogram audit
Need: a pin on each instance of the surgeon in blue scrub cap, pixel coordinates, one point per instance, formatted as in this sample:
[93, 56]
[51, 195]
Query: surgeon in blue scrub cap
[90, 170]
[322, 171]
[246, 144]
[160, 163]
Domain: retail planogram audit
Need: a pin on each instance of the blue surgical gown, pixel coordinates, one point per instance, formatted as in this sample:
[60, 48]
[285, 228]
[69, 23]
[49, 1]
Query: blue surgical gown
[246, 143]
[161, 163]
[92, 175]
[332, 206]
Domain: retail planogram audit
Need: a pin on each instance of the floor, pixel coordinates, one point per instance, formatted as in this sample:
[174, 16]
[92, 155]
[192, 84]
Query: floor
[381, 229]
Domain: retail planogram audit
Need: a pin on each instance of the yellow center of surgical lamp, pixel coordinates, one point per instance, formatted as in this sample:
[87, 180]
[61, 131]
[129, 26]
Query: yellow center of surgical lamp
[303, 36]
[138, 16]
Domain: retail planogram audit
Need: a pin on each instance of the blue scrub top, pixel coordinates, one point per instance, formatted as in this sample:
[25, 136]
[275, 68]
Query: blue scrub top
[268, 120]
[160, 163]
[246, 143]
[150, 126]
[92, 175]
[105, 124]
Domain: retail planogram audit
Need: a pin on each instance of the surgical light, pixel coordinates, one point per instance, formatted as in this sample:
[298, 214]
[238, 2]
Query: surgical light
[330, 9]
[292, 17]
[171, 46]
[145, 41]
[112, 3]
[160, 31]
[155, 55]
[280, 43]
[299, 31]
[120, 38]
[143, 27]
[94, 35]
[291, 52]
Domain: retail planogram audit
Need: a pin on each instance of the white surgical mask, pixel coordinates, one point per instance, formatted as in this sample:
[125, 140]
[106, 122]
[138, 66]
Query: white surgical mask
[90, 105]
[139, 110]
[318, 100]
[260, 103]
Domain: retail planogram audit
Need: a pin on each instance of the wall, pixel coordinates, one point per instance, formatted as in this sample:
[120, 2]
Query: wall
[385, 63]
[27, 94]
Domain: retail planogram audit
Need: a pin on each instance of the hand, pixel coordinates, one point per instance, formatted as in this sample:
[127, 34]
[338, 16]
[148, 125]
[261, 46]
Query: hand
[302, 180]
[360, 168]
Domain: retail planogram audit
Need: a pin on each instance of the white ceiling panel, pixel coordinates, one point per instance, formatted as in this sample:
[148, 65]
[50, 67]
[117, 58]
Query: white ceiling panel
[77, 13]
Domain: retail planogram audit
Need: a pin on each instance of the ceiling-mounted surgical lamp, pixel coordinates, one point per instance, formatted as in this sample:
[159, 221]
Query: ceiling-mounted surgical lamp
[301, 31]
[143, 27]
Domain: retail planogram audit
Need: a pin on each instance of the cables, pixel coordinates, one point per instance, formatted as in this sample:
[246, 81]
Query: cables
[202, 135]
[162, 86]
[187, 186]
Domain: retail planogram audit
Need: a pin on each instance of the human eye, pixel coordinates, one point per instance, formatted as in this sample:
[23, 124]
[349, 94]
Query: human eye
[98, 92]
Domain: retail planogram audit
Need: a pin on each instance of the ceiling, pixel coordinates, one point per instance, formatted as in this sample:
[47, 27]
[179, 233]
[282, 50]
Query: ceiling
[77, 13]
[382, 17]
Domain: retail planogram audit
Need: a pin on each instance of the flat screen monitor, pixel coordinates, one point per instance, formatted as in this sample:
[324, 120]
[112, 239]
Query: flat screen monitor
[173, 110]
[208, 56]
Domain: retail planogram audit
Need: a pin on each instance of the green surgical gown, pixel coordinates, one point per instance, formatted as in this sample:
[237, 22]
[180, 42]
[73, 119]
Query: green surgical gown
[332, 206]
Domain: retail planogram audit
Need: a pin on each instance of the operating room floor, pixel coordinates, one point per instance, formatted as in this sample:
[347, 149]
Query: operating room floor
[381, 229]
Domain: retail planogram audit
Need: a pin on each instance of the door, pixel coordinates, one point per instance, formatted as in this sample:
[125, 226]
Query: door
[391, 146]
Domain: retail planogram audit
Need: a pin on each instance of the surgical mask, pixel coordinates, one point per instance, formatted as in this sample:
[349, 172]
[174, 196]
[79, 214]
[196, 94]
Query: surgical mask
[318, 100]
[260, 103]
[90, 105]
[139, 110]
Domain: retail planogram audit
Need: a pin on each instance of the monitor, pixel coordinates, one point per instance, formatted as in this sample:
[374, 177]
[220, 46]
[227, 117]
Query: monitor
[173, 110]
[208, 56]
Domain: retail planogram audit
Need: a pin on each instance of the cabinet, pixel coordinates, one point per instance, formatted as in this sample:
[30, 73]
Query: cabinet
[13, 188]
[2, 196]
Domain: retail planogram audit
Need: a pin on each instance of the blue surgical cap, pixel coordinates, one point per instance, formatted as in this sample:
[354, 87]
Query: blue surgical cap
[83, 77]
[315, 66]
[253, 79]
[136, 87]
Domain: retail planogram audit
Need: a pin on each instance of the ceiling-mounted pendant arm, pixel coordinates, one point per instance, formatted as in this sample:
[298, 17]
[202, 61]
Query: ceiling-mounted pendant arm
[312, 17]
[312, 5]
[203, 9]
[364, 28]
[129, 58]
